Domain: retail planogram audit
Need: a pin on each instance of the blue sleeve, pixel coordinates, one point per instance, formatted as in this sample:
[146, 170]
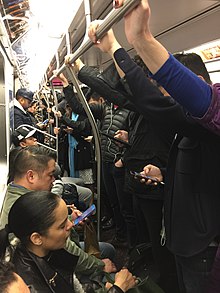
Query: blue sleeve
[185, 87]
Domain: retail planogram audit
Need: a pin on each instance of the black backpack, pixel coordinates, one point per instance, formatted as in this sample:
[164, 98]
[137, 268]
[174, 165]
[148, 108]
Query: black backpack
[71, 196]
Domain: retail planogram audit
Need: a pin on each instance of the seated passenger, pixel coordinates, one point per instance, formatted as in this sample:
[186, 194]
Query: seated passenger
[43, 228]
[11, 282]
[33, 170]
[23, 137]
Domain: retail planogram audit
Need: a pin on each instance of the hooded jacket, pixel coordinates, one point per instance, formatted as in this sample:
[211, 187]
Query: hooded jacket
[21, 116]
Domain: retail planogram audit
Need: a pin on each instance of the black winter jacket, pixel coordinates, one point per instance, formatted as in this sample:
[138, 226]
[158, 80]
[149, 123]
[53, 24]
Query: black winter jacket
[150, 143]
[20, 118]
[112, 119]
[51, 274]
[192, 201]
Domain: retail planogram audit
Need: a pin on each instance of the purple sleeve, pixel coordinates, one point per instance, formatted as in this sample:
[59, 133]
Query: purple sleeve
[185, 87]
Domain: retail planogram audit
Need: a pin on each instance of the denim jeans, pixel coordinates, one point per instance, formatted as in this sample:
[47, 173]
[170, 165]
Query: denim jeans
[193, 272]
[106, 250]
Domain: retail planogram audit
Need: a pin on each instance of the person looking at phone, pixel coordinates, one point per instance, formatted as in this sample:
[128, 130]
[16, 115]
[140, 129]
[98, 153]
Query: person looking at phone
[43, 227]
[111, 117]
[22, 101]
[149, 142]
[34, 168]
[191, 198]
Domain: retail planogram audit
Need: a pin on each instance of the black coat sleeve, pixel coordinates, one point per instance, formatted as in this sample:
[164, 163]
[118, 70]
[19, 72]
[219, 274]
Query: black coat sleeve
[164, 111]
[82, 127]
[77, 107]
[115, 289]
[107, 85]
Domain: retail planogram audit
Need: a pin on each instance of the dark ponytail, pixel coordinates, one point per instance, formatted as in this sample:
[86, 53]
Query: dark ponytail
[32, 212]
[4, 242]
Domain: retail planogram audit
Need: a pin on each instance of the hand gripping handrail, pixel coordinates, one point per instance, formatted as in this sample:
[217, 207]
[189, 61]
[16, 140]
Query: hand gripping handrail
[114, 16]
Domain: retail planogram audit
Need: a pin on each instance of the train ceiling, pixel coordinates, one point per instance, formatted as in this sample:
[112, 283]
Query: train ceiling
[15, 14]
[193, 23]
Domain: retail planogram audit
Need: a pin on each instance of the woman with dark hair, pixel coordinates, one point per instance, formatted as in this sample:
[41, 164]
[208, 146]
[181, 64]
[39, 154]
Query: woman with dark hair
[40, 220]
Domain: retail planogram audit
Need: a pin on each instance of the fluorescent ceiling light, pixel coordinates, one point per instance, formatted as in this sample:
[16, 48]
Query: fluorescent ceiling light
[49, 20]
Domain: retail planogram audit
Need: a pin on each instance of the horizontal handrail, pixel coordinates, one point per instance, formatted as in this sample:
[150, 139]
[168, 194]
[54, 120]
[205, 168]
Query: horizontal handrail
[114, 16]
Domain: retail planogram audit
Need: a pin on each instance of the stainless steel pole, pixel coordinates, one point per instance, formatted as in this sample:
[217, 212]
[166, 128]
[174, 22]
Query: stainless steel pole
[114, 16]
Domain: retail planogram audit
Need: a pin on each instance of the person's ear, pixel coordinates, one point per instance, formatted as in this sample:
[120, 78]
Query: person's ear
[30, 176]
[36, 239]
[22, 144]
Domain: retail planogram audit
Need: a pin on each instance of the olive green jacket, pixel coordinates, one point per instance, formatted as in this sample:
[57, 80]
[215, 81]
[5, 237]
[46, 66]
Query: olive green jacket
[87, 264]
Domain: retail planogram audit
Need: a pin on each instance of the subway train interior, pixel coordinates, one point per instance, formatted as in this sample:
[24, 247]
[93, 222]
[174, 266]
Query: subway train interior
[26, 57]
[36, 35]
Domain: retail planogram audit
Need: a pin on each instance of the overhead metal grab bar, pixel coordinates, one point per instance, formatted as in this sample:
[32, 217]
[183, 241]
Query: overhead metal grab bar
[114, 16]
[88, 15]
[70, 72]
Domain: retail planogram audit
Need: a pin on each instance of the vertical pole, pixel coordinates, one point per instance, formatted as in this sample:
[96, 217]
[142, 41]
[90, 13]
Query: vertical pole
[95, 130]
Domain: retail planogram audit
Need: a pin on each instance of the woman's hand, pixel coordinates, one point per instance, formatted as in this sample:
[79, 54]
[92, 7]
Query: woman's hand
[77, 65]
[136, 21]
[125, 280]
[108, 43]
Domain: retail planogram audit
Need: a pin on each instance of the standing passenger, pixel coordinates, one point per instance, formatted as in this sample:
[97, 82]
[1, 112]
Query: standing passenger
[34, 168]
[199, 98]
[191, 193]
[112, 118]
[22, 102]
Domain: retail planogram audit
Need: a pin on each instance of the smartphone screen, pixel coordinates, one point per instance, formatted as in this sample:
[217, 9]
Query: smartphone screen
[141, 176]
[45, 121]
[90, 211]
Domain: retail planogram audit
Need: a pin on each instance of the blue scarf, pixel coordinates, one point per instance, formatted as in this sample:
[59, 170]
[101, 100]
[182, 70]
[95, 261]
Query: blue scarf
[72, 145]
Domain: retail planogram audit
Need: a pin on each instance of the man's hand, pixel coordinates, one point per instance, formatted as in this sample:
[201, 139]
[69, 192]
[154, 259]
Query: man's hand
[121, 134]
[119, 164]
[109, 266]
[56, 130]
[152, 171]
[68, 130]
[58, 114]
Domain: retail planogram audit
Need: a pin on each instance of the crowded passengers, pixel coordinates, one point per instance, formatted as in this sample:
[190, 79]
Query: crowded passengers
[165, 109]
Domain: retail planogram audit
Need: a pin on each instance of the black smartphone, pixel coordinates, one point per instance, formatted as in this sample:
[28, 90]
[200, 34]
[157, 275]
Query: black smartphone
[114, 139]
[141, 176]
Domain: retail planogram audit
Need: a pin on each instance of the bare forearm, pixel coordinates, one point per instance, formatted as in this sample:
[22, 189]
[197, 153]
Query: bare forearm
[151, 51]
